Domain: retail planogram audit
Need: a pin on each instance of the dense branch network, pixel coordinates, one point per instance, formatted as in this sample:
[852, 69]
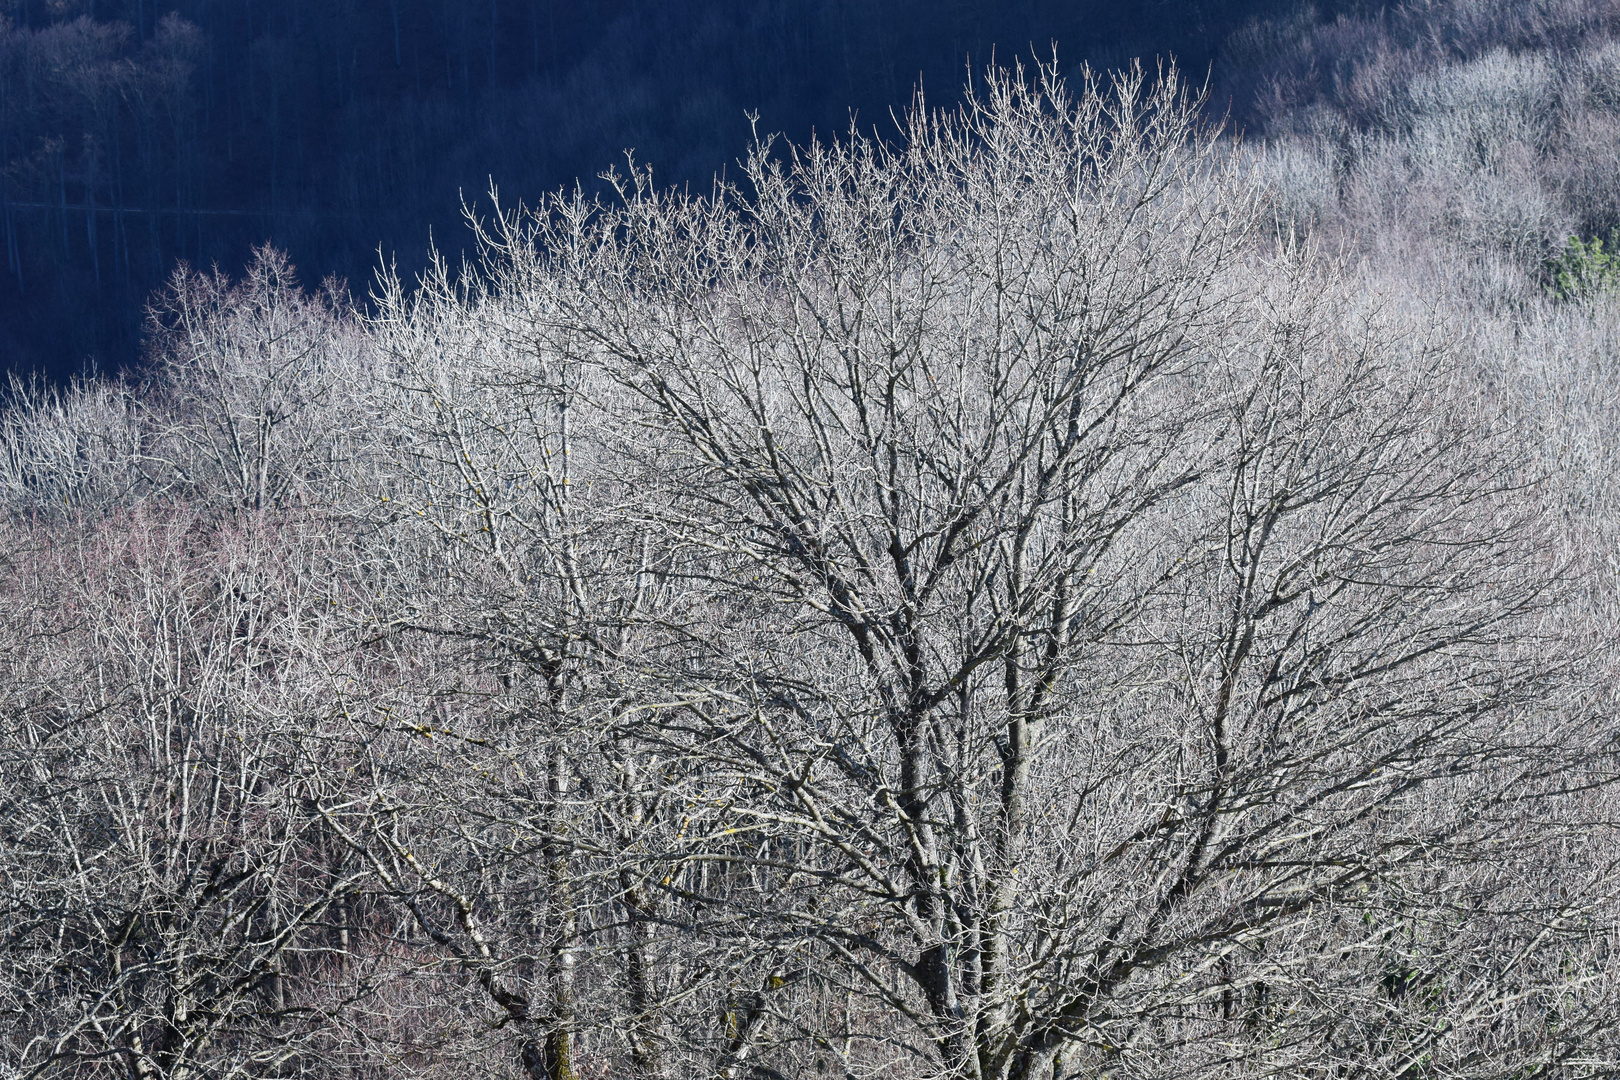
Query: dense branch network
[979, 607]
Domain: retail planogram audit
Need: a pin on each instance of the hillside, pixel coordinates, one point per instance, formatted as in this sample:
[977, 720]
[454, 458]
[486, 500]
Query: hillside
[133, 134]
[1074, 586]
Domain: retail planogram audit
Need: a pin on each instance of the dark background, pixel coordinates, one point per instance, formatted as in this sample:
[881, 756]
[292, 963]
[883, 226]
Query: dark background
[135, 133]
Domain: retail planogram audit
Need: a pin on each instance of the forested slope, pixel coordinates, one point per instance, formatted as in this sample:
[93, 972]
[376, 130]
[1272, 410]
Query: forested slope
[1064, 591]
[134, 133]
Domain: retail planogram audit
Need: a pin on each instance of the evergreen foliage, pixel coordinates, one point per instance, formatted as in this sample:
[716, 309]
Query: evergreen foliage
[1585, 267]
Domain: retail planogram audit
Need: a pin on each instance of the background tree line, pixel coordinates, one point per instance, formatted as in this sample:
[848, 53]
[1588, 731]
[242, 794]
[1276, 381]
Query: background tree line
[133, 134]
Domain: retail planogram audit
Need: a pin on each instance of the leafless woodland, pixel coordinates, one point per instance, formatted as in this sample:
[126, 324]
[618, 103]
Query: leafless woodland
[1024, 600]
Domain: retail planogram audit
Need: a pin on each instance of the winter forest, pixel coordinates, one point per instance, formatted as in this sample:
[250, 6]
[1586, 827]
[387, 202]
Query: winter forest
[137, 132]
[1109, 572]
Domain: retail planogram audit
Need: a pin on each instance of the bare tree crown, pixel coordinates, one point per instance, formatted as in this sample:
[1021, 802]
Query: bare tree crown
[976, 606]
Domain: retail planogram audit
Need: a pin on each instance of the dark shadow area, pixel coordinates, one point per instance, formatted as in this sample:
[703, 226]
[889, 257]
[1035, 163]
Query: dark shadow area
[136, 134]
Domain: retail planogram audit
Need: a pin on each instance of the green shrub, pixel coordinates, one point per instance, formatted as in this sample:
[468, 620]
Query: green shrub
[1585, 267]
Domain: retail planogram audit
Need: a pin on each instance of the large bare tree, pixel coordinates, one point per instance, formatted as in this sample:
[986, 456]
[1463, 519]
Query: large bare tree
[1092, 603]
[975, 607]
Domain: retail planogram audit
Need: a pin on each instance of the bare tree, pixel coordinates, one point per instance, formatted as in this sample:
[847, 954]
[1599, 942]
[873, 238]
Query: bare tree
[267, 383]
[1094, 613]
[169, 896]
[75, 448]
[979, 607]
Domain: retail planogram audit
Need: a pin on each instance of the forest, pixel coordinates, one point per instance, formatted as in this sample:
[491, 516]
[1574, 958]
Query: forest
[134, 133]
[1110, 573]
